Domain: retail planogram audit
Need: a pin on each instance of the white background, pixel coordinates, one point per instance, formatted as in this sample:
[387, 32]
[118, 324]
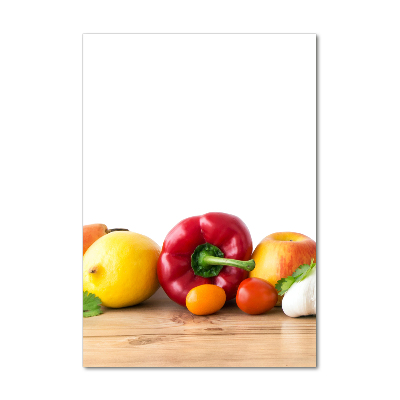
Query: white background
[181, 125]
[41, 214]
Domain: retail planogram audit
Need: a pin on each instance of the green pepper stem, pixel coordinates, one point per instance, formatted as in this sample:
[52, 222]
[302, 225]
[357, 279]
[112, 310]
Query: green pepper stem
[246, 265]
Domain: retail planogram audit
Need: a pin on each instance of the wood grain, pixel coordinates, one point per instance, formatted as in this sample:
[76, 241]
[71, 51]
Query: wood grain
[160, 333]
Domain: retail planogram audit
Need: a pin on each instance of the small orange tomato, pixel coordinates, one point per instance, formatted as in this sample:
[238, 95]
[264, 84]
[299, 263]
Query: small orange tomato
[205, 299]
[256, 296]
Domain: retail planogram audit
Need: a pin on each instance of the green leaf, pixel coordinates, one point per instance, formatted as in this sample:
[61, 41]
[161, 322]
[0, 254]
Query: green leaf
[92, 313]
[91, 305]
[284, 284]
[300, 270]
[308, 272]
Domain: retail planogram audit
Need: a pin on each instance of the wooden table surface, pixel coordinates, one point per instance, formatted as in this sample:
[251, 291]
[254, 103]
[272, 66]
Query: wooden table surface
[160, 333]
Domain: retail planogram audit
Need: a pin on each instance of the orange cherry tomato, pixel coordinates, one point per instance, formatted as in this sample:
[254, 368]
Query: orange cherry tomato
[205, 299]
[256, 296]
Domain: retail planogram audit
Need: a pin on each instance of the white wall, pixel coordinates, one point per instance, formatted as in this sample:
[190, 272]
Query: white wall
[180, 125]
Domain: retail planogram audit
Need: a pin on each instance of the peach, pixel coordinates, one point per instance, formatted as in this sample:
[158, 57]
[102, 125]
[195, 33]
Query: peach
[91, 233]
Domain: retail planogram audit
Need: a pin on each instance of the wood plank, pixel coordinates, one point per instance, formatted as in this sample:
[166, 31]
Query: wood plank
[160, 333]
[165, 317]
[240, 350]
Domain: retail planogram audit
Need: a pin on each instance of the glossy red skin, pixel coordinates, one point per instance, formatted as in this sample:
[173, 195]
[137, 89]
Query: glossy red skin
[256, 296]
[227, 232]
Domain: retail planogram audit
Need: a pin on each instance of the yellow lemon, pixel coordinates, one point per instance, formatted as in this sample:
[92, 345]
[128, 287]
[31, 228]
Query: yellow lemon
[121, 269]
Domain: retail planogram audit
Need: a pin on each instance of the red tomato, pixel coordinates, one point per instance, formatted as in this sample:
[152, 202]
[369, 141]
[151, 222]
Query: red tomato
[256, 296]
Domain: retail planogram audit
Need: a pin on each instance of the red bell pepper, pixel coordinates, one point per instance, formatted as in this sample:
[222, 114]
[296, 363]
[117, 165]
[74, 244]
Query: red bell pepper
[213, 248]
